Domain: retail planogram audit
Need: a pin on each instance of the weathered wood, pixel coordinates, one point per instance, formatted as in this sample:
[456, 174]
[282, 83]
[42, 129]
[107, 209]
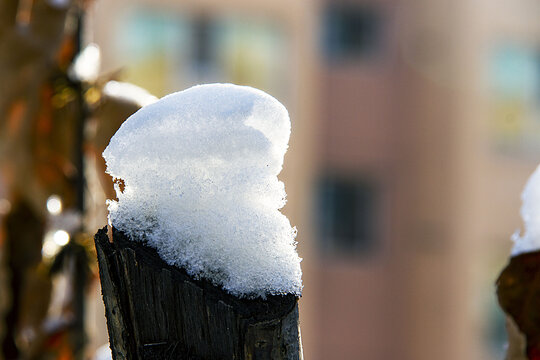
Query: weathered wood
[157, 311]
[518, 292]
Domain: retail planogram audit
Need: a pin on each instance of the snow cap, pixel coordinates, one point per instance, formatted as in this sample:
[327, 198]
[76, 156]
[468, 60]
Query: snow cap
[199, 170]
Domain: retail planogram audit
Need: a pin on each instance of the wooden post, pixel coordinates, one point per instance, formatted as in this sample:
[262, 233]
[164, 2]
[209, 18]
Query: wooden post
[518, 292]
[157, 311]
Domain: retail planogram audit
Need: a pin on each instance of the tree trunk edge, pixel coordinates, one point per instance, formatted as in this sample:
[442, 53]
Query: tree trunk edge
[116, 320]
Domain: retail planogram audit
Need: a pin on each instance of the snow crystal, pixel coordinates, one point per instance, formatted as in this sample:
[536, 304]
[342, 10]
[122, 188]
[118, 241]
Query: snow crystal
[198, 172]
[530, 212]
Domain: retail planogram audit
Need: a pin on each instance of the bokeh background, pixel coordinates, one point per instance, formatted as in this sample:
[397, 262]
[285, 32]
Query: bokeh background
[415, 125]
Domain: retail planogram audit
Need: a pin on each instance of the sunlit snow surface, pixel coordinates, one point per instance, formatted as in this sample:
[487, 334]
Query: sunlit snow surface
[200, 171]
[530, 212]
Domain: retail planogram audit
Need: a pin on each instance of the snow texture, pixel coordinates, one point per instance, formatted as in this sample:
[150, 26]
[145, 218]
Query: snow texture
[530, 212]
[200, 173]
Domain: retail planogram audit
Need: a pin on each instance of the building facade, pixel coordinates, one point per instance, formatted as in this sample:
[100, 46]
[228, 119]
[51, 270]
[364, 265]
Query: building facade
[412, 138]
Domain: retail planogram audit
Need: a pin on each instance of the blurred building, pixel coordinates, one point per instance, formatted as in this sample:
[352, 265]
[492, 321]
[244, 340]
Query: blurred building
[415, 125]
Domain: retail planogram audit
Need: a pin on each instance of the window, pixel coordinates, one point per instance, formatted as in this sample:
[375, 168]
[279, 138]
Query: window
[346, 215]
[165, 51]
[351, 31]
[514, 79]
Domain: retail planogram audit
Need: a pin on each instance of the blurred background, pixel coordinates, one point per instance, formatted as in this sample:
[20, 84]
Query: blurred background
[415, 125]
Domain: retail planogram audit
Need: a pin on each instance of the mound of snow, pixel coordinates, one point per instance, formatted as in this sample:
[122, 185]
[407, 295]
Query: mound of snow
[530, 212]
[199, 169]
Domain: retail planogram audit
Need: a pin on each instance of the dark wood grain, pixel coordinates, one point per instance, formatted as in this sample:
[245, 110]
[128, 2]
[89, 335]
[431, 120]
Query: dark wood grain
[157, 311]
[518, 292]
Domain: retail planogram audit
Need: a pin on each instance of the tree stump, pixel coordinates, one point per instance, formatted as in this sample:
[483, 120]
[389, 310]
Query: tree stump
[157, 311]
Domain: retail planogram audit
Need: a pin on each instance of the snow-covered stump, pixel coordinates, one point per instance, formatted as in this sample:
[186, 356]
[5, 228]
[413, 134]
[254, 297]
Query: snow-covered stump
[157, 311]
[202, 264]
[518, 285]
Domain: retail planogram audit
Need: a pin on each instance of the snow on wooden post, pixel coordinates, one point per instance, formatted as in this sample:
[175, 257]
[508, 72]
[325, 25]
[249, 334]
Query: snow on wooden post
[518, 285]
[157, 311]
[202, 264]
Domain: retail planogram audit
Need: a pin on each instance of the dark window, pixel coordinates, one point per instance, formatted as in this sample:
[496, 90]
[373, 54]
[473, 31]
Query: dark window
[351, 31]
[346, 215]
[202, 34]
[204, 61]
